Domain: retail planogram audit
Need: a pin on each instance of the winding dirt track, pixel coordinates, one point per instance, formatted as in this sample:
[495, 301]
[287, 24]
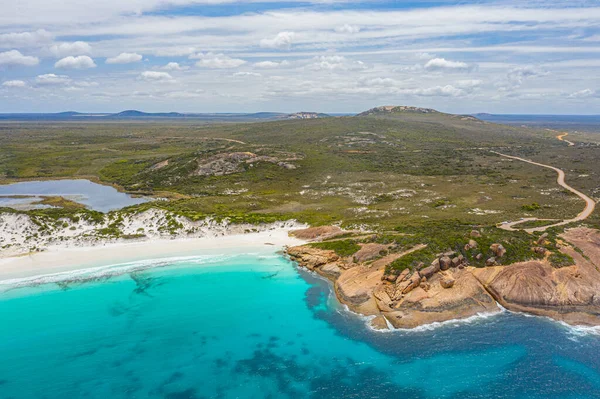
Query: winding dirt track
[562, 136]
[589, 208]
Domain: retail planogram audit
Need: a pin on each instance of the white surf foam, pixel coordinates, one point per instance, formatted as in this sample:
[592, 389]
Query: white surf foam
[452, 323]
[111, 270]
[573, 330]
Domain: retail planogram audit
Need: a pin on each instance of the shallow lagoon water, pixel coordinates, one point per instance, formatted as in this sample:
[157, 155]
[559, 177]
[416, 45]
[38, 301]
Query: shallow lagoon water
[254, 326]
[95, 196]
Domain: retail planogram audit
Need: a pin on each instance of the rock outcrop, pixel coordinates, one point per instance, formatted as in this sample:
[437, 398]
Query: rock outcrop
[571, 294]
[451, 289]
[406, 299]
[317, 233]
[312, 257]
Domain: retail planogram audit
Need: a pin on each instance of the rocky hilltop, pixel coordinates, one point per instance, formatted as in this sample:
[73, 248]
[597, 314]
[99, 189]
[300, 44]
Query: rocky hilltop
[450, 287]
[306, 115]
[389, 109]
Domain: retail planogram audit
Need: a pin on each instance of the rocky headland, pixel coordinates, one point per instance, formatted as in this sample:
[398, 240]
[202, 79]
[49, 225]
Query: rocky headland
[451, 288]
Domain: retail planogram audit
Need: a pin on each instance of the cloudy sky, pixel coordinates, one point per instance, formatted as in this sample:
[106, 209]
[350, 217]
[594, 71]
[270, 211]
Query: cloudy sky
[513, 56]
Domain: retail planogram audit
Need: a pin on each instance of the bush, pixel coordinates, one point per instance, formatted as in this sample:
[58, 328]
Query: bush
[342, 247]
[530, 208]
[558, 260]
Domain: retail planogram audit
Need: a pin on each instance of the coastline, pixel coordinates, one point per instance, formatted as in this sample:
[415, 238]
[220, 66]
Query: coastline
[62, 258]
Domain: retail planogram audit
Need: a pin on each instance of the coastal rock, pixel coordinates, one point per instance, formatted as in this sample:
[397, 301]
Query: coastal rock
[428, 271]
[475, 234]
[413, 282]
[370, 251]
[403, 275]
[317, 233]
[355, 288]
[569, 293]
[466, 298]
[383, 299]
[447, 282]
[498, 250]
[312, 257]
[434, 295]
[445, 263]
[331, 270]
[455, 262]
[472, 244]
[379, 323]
[540, 250]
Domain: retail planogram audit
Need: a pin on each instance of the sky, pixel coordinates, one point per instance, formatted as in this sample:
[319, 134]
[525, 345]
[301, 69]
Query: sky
[337, 56]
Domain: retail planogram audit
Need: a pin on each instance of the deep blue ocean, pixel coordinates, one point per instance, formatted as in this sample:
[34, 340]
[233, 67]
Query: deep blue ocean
[254, 326]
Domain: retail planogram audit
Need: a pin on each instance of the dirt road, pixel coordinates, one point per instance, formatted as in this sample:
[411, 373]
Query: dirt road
[562, 136]
[589, 207]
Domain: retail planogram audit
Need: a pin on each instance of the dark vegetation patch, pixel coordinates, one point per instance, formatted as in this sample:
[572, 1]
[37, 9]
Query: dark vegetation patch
[452, 236]
[341, 247]
[559, 259]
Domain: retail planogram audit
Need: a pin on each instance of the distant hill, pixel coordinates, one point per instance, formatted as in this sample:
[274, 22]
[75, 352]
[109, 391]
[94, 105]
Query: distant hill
[397, 109]
[140, 114]
[135, 114]
[417, 114]
[538, 119]
[306, 115]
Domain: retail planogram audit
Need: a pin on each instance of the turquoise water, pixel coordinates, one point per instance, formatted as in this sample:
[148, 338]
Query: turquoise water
[253, 326]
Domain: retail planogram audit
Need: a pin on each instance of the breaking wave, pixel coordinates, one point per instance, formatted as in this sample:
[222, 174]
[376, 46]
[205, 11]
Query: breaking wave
[90, 274]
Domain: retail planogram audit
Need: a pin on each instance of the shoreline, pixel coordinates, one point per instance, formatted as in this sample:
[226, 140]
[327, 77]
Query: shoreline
[61, 259]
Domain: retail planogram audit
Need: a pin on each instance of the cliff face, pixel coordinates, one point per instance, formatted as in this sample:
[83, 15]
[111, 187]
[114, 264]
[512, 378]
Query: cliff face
[454, 290]
[571, 294]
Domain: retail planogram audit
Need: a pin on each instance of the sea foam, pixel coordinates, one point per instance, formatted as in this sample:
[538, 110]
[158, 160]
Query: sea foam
[89, 274]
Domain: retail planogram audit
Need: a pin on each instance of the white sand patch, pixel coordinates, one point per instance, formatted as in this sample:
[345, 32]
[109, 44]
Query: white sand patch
[60, 259]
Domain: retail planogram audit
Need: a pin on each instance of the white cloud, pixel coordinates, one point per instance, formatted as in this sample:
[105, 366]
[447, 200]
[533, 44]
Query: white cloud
[124, 58]
[438, 91]
[381, 86]
[442, 63]
[86, 84]
[74, 48]
[51, 79]
[379, 82]
[174, 66]
[346, 28]
[283, 40]
[174, 51]
[593, 38]
[247, 74]
[397, 43]
[25, 39]
[217, 61]
[517, 76]
[333, 62]
[154, 76]
[79, 62]
[424, 56]
[469, 84]
[14, 83]
[586, 93]
[270, 64]
[14, 57]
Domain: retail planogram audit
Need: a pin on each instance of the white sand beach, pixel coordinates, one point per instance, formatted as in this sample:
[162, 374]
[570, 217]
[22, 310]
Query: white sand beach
[59, 259]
